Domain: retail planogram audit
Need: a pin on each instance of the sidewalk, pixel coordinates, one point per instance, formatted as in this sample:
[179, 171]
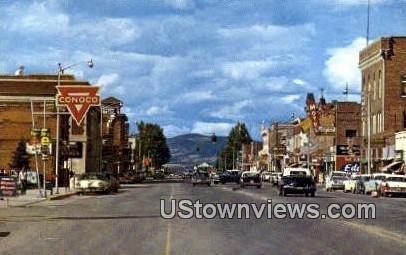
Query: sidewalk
[32, 197]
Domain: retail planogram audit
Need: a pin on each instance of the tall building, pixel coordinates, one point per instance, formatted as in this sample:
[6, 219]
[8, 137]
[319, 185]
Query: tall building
[382, 65]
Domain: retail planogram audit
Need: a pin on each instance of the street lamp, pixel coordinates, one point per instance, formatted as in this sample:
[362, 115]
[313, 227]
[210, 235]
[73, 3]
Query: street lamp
[61, 71]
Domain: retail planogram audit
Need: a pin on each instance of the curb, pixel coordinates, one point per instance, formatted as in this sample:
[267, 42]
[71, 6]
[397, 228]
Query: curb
[61, 196]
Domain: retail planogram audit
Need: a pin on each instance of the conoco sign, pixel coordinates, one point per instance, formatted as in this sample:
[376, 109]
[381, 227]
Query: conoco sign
[78, 100]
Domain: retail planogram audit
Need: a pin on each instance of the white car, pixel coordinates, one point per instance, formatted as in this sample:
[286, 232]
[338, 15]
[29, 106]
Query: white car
[92, 182]
[335, 182]
[266, 176]
[366, 184]
[350, 184]
[393, 185]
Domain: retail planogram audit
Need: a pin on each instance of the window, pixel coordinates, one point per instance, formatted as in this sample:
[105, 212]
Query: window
[404, 119]
[350, 133]
[380, 87]
[403, 85]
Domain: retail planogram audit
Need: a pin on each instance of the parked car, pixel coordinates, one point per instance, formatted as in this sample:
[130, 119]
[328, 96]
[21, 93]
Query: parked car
[96, 182]
[276, 178]
[393, 185]
[365, 185]
[297, 184]
[350, 184]
[250, 178]
[215, 177]
[335, 182]
[230, 176]
[378, 178]
[201, 177]
[266, 176]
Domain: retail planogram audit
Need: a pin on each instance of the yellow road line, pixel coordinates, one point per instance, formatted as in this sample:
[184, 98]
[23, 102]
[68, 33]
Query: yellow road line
[168, 232]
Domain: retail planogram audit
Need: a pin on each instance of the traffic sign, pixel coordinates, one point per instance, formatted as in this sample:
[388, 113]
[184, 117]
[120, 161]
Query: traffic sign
[44, 141]
[78, 99]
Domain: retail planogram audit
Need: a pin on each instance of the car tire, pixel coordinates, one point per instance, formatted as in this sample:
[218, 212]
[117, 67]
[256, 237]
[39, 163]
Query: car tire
[280, 192]
[209, 184]
[194, 184]
[259, 186]
[306, 194]
[313, 194]
[284, 193]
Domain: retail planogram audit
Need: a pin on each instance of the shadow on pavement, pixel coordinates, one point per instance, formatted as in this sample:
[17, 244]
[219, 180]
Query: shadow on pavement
[105, 217]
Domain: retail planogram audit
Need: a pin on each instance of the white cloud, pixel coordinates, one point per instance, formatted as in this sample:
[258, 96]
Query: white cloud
[290, 98]
[234, 111]
[220, 128]
[299, 82]
[180, 4]
[197, 96]
[157, 110]
[107, 80]
[247, 69]
[172, 130]
[342, 65]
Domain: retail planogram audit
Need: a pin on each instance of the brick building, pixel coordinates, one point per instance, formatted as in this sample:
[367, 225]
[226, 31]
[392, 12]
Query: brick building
[382, 65]
[348, 137]
[19, 95]
[116, 149]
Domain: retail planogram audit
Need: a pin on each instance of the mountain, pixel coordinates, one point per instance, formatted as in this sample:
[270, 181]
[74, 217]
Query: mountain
[192, 149]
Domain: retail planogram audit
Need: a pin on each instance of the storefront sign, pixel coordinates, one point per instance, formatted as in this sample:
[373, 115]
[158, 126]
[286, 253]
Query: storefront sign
[8, 186]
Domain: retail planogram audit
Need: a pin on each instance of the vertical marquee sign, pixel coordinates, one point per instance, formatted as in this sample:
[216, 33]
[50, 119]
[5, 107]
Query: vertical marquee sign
[78, 100]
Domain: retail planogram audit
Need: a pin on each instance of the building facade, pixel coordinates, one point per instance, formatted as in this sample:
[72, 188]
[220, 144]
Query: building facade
[382, 65]
[28, 101]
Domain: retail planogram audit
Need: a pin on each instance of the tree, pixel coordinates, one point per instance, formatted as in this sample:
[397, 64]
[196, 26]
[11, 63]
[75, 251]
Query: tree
[238, 135]
[152, 144]
[20, 157]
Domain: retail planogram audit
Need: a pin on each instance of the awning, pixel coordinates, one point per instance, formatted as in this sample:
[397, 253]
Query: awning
[392, 166]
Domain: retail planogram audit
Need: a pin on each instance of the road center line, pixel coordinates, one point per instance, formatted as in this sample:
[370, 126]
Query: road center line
[168, 232]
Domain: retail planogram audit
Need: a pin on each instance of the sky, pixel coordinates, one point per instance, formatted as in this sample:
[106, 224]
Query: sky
[200, 66]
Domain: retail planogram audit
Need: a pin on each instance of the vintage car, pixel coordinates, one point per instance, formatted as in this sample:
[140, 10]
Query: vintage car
[201, 177]
[350, 184]
[250, 178]
[215, 177]
[393, 185]
[365, 184]
[230, 176]
[335, 182]
[297, 184]
[266, 176]
[96, 182]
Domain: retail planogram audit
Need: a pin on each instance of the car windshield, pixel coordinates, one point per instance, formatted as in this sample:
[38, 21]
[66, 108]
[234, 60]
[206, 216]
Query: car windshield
[365, 178]
[94, 176]
[396, 179]
[250, 174]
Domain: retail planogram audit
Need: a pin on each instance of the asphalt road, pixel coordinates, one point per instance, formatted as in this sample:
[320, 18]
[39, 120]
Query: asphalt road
[130, 223]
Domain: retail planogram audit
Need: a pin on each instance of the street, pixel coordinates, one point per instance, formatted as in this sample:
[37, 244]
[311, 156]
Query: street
[130, 223]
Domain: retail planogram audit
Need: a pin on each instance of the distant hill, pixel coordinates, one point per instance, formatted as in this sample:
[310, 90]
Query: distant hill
[191, 149]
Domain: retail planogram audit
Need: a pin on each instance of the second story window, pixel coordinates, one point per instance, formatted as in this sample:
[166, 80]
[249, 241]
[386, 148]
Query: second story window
[403, 85]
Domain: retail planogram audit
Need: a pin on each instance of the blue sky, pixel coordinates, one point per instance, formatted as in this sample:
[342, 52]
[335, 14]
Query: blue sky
[200, 65]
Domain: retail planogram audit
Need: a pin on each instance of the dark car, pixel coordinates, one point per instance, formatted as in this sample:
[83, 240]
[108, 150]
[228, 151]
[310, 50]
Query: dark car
[201, 177]
[230, 176]
[297, 185]
[251, 179]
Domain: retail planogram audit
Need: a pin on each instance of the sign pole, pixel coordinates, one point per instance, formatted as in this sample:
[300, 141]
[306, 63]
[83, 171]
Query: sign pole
[43, 161]
[36, 153]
